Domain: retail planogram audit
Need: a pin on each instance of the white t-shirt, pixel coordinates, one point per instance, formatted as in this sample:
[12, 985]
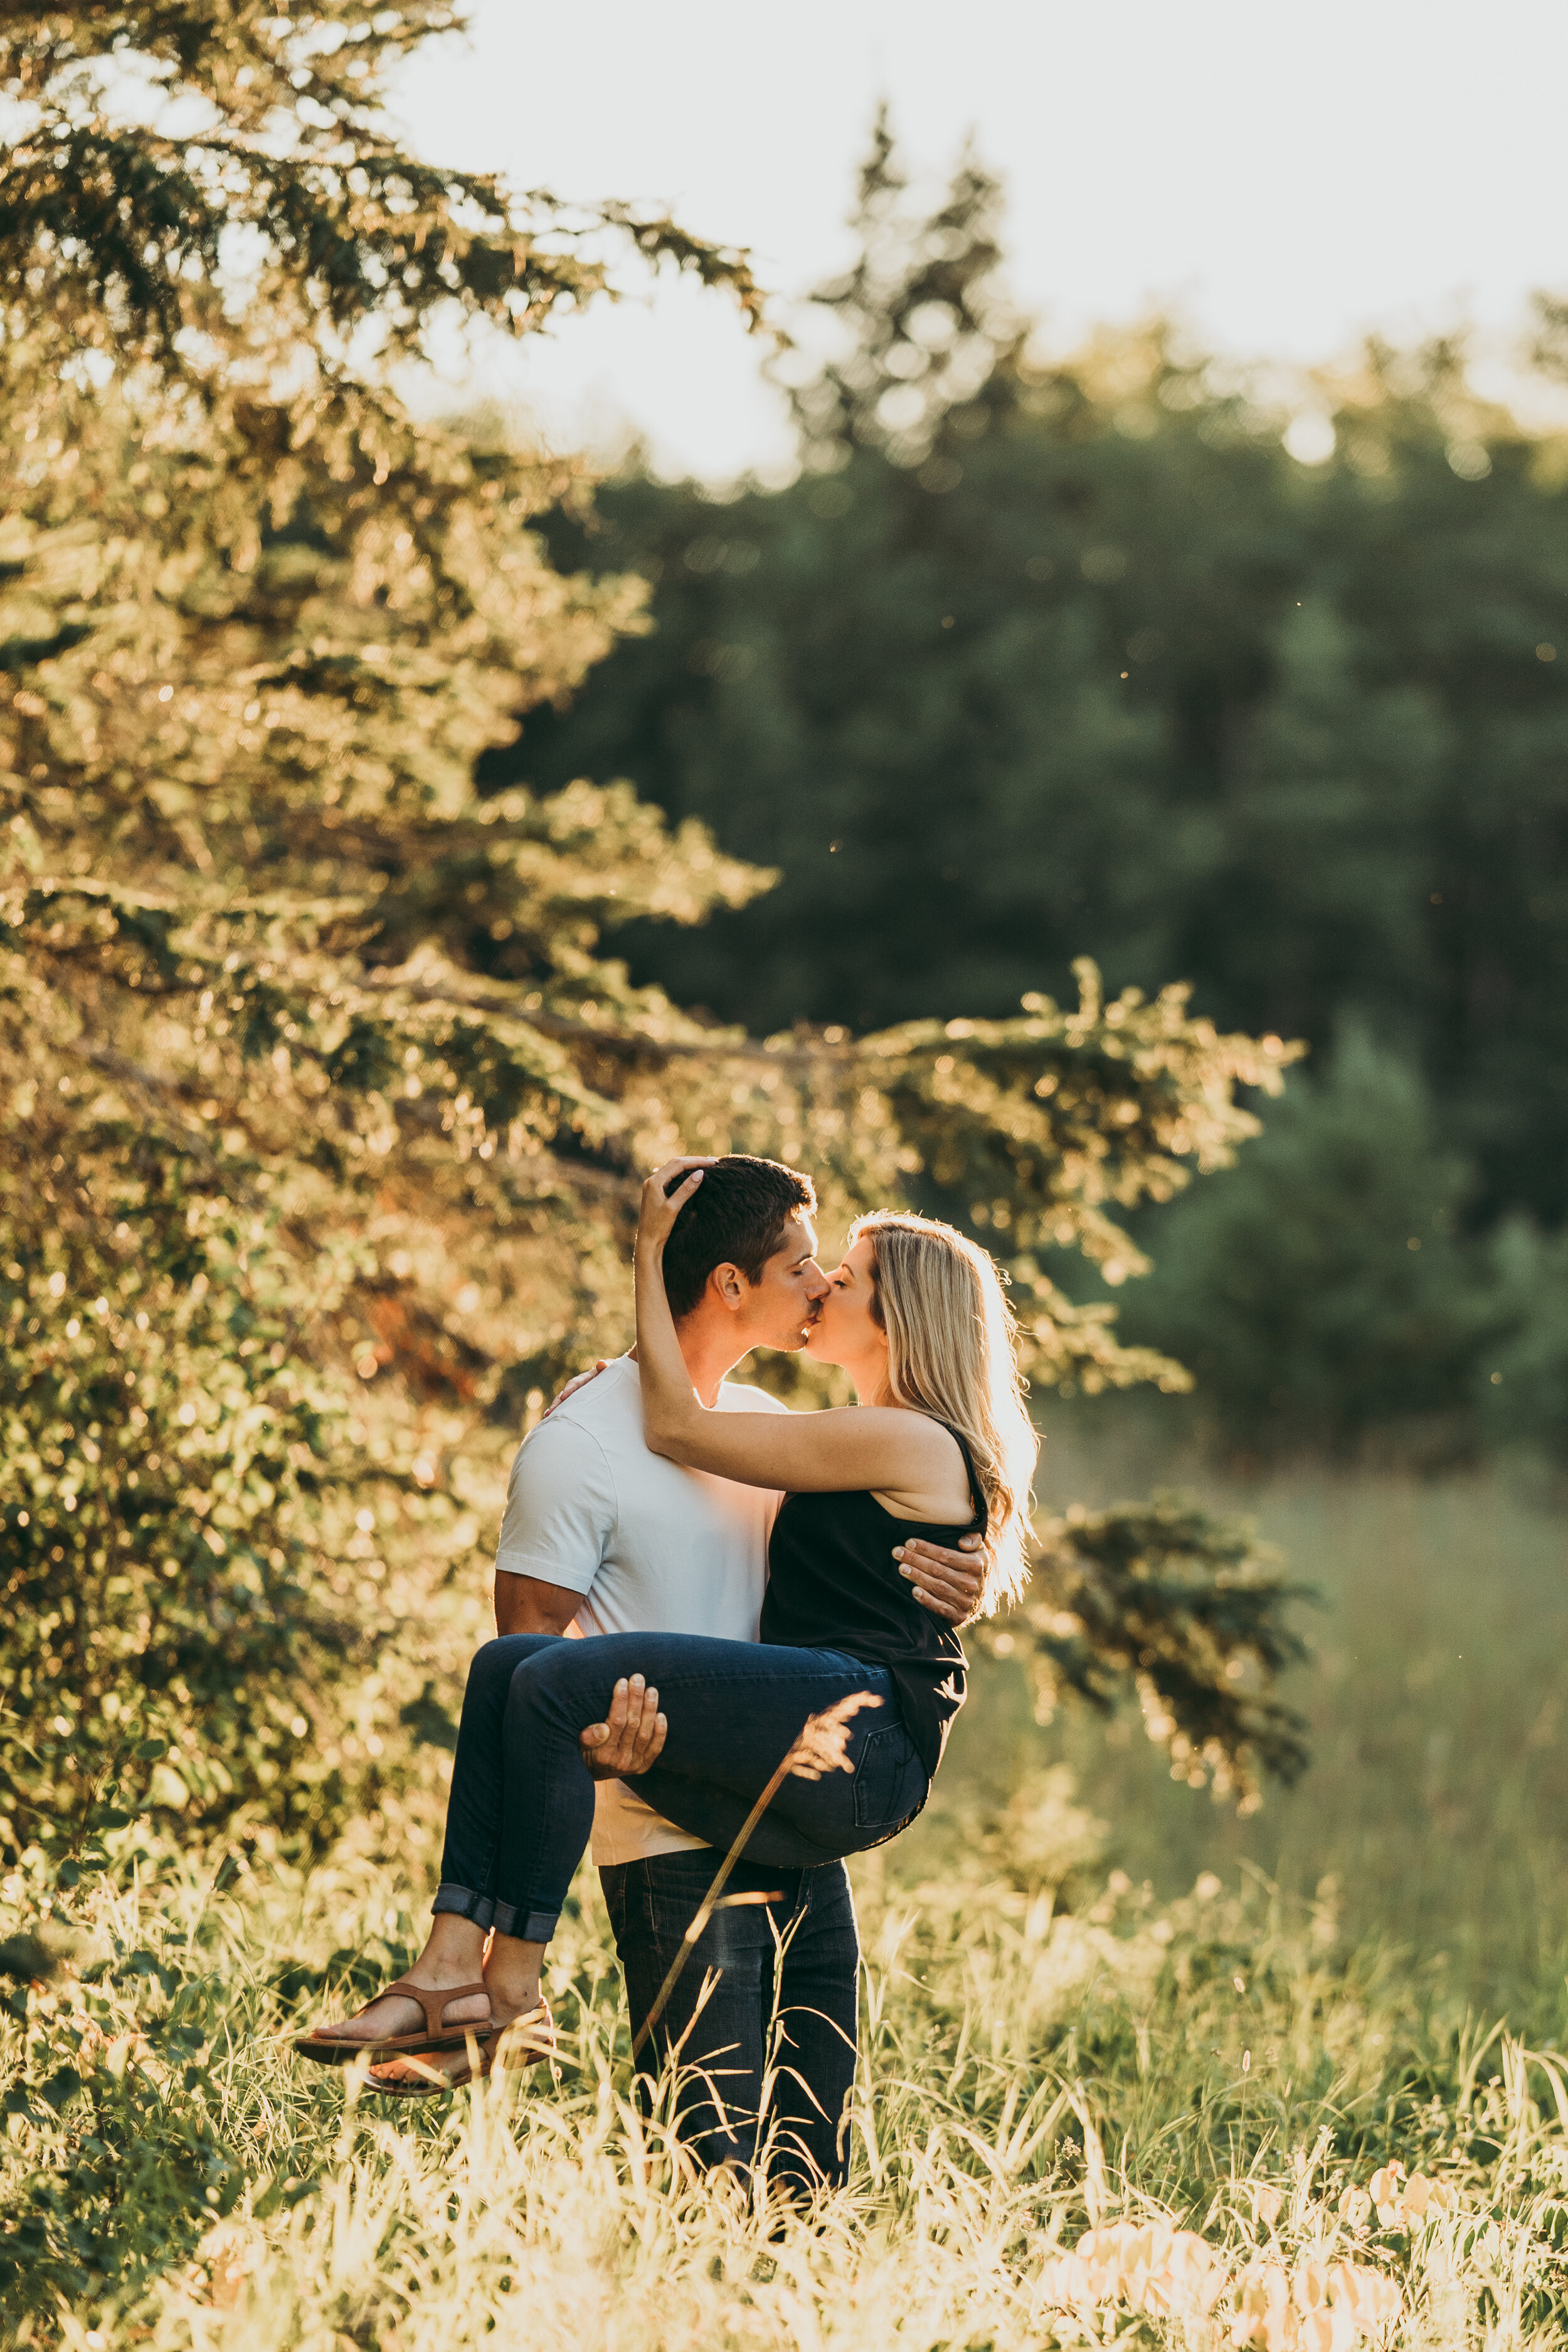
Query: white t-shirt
[651, 1547]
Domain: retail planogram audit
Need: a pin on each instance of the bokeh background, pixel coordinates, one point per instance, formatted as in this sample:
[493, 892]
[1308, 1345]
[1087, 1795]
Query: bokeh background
[1151, 546]
[975, 600]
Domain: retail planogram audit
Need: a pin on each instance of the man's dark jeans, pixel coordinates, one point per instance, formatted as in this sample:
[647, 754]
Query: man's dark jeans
[747, 2070]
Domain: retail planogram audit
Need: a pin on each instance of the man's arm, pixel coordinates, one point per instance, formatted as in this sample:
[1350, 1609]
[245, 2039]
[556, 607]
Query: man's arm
[633, 1736]
[559, 1513]
[526, 1604]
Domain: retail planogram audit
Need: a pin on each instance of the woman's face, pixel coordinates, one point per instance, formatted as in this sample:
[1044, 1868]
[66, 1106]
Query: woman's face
[846, 1331]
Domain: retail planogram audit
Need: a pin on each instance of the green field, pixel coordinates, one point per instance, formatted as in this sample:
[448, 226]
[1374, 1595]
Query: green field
[1437, 1799]
[1063, 2023]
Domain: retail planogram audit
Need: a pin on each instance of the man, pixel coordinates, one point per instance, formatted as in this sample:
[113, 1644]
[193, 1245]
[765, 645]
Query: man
[600, 1537]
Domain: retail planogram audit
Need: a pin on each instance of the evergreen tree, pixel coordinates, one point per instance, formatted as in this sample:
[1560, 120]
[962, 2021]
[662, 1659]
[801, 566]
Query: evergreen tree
[1113, 674]
[257, 625]
[328, 1103]
[1324, 1290]
[927, 340]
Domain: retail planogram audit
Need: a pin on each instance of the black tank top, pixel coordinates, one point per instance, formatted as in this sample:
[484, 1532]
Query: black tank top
[834, 1584]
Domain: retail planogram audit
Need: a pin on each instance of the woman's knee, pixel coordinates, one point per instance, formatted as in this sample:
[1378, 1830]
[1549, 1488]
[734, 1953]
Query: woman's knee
[553, 1679]
[494, 1662]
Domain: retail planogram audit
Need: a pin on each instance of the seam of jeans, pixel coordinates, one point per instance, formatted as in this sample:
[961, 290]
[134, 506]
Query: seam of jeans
[468, 1903]
[699, 1681]
[528, 1927]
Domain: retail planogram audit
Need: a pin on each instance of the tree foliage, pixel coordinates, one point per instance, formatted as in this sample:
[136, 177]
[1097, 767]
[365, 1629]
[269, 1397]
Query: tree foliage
[1092, 664]
[1186, 1608]
[1332, 1290]
[926, 339]
[327, 1102]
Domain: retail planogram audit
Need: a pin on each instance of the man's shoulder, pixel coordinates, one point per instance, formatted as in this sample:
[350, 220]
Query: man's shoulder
[562, 1503]
[738, 1397]
[602, 1413]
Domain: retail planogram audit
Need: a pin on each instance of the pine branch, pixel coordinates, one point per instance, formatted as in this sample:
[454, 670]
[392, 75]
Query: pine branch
[1185, 1610]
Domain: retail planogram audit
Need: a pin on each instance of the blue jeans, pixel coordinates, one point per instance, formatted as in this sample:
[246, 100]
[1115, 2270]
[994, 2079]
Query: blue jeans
[521, 1807]
[764, 2010]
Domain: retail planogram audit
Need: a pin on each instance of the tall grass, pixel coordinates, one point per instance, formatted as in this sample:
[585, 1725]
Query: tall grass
[1065, 2029]
[1438, 1800]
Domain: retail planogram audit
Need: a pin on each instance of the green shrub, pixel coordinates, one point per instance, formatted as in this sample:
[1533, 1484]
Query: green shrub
[1522, 1383]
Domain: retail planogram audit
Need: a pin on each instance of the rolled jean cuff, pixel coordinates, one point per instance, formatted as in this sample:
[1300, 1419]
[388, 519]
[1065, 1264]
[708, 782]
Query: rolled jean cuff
[528, 1927]
[479, 1908]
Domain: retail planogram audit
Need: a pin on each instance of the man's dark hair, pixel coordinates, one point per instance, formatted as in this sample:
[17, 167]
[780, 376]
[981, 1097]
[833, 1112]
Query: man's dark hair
[736, 1217]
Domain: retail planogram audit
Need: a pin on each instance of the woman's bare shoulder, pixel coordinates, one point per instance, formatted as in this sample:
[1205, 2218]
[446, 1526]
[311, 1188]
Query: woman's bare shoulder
[933, 1479]
[928, 1439]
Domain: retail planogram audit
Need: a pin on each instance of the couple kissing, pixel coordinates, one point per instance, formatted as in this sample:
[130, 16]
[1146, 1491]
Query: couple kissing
[752, 1585]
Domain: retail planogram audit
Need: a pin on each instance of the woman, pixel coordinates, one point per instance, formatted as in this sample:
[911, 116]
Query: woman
[938, 1444]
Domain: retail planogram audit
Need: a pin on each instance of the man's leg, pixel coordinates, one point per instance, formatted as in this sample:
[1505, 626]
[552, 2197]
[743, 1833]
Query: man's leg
[717, 2021]
[814, 2038]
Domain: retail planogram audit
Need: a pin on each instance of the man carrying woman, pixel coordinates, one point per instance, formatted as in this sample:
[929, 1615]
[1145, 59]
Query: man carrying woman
[938, 1450]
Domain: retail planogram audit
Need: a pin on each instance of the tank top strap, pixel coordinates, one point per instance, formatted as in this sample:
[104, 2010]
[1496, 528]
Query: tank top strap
[976, 1491]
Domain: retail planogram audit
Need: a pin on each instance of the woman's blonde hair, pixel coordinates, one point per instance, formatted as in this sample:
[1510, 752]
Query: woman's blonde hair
[952, 1352]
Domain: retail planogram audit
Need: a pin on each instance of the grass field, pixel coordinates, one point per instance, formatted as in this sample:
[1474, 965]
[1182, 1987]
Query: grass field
[1171, 2023]
[1437, 1799]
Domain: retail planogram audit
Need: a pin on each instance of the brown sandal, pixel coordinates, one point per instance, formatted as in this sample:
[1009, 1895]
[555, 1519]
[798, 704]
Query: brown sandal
[488, 2046]
[331, 2048]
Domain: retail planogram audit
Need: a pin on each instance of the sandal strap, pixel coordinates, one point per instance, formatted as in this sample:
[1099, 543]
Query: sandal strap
[435, 2001]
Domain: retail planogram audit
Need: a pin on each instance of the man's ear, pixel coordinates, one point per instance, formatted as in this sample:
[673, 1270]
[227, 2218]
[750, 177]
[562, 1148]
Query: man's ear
[728, 1285]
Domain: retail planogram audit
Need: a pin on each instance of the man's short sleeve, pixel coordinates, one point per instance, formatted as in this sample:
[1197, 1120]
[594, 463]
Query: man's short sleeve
[560, 1508]
[739, 1398]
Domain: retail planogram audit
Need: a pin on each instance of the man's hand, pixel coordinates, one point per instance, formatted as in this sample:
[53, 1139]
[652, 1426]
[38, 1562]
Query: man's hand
[632, 1738]
[948, 1583]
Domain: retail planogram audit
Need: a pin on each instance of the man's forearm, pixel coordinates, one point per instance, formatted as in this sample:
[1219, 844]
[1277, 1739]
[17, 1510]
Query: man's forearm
[631, 1736]
[526, 1604]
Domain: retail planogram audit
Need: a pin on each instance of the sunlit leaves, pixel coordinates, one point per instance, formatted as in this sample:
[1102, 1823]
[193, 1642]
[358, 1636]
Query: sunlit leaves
[326, 1103]
[182, 182]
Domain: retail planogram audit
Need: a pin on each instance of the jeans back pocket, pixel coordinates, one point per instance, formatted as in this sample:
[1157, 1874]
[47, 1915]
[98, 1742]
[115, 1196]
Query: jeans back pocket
[889, 1780]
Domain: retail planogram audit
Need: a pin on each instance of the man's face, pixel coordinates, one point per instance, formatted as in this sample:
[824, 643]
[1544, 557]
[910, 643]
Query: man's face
[780, 1306]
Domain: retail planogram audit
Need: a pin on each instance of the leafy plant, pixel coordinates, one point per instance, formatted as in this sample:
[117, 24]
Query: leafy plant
[327, 1097]
[1189, 1610]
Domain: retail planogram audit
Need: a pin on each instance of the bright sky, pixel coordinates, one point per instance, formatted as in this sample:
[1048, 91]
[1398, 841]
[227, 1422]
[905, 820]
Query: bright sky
[1289, 176]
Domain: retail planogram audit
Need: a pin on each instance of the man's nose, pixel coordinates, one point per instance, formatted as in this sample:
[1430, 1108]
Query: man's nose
[816, 1283]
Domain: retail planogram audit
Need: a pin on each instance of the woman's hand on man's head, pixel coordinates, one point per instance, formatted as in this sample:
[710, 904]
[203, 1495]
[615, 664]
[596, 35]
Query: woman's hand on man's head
[664, 1194]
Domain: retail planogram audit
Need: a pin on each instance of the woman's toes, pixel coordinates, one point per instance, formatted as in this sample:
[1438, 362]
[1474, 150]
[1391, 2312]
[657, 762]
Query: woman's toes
[436, 2064]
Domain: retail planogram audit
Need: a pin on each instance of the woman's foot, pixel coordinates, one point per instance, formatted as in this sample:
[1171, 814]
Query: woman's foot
[513, 1999]
[512, 2040]
[442, 1994]
[395, 2014]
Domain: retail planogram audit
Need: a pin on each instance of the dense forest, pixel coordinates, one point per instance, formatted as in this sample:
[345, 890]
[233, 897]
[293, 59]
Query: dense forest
[1036, 660]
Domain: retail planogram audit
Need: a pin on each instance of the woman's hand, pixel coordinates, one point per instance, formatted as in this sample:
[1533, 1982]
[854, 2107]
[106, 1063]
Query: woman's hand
[662, 1206]
[669, 1404]
[601, 1364]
